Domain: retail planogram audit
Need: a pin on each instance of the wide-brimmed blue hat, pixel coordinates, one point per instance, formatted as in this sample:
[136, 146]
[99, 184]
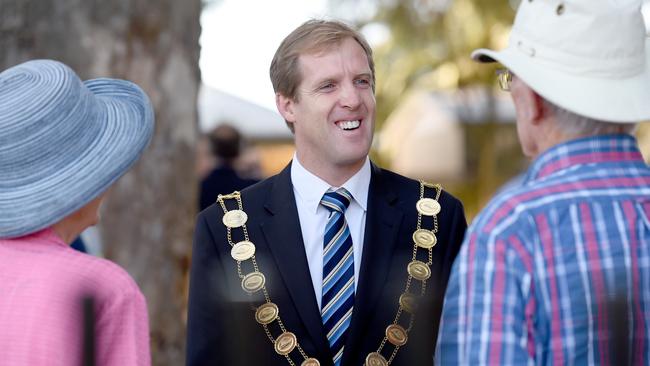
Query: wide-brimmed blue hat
[63, 141]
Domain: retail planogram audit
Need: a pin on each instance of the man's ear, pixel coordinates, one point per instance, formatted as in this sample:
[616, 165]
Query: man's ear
[285, 106]
[539, 112]
[531, 103]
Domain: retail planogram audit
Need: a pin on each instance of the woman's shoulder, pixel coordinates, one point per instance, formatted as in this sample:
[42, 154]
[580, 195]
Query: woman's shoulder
[99, 277]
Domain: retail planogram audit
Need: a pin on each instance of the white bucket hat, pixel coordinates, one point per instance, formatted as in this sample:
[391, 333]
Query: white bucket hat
[63, 141]
[591, 57]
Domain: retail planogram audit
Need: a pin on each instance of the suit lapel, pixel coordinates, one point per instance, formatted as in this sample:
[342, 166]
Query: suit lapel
[284, 237]
[383, 219]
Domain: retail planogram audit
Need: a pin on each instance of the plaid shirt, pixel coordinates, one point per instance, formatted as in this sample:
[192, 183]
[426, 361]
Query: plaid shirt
[541, 264]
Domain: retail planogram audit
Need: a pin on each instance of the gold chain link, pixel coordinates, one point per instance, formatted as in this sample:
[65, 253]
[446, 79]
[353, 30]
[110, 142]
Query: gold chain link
[237, 196]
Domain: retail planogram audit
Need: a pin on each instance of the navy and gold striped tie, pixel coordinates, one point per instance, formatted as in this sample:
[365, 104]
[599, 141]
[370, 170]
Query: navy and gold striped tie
[338, 272]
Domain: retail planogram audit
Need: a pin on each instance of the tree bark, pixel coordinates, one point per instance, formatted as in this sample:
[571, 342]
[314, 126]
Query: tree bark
[148, 217]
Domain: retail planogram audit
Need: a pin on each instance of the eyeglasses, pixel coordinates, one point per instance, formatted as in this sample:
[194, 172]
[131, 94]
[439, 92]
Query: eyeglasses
[504, 77]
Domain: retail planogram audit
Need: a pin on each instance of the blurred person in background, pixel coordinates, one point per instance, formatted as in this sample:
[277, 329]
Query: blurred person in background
[204, 158]
[249, 163]
[226, 144]
[544, 261]
[79, 244]
[63, 143]
[325, 249]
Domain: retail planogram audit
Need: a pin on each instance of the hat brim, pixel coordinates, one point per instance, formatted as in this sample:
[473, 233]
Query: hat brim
[125, 121]
[618, 100]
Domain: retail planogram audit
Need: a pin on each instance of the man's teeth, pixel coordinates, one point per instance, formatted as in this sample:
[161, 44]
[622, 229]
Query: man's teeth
[349, 125]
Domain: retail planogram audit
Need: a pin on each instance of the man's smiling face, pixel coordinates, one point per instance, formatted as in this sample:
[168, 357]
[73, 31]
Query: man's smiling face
[333, 113]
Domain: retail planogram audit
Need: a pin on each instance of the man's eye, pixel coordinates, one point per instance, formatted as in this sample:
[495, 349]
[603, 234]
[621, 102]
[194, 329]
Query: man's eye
[327, 86]
[362, 82]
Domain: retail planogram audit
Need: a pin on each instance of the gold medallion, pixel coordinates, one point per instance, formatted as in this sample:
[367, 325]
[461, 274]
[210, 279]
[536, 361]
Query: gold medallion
[267, 313]
[424, 238]
[408, 302]
[419, 270]
[253, 282]
[375, 359]
[285, 343]
[242, 251]
[428, 206]
[235, 218]
[396, 335]
[310, 362]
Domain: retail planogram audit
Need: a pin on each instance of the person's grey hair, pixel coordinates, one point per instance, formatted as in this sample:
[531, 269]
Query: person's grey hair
[572, 124]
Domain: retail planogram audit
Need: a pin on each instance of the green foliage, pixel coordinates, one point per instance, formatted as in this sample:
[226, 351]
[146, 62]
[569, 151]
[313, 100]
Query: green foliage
[430, 44]
[429, 49]
[208, 3]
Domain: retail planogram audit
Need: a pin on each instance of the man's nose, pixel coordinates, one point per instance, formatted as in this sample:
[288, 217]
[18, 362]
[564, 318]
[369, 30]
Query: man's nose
[350, 97]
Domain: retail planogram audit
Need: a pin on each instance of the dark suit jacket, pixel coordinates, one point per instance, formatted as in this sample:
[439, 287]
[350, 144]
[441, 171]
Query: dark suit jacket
[221, 325]
[222, 180]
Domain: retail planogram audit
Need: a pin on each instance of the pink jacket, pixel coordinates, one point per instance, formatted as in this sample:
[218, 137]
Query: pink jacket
[42, 284]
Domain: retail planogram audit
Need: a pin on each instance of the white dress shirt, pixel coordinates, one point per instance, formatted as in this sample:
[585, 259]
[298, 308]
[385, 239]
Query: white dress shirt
[308, 190]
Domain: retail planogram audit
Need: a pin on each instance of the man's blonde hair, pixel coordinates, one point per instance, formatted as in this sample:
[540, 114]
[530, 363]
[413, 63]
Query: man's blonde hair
[311, 37]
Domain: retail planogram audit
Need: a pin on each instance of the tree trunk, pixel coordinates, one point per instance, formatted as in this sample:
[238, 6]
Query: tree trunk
[148, 217]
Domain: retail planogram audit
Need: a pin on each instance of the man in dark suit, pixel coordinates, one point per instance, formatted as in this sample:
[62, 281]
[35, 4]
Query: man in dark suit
[225, 141]
[322, 264]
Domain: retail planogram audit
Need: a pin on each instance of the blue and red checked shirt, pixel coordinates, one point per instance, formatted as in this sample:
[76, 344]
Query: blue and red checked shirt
[541, 264]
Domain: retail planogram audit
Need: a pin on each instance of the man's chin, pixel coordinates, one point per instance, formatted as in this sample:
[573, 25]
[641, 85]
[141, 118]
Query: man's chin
[353, 160]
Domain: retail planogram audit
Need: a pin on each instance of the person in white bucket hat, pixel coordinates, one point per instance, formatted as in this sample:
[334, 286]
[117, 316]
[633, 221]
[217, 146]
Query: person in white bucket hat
[544, 263]
[63, 142]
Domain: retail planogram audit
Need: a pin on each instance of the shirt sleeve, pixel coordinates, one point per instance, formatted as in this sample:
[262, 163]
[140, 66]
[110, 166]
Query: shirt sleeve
[489, 305]
[122, 329]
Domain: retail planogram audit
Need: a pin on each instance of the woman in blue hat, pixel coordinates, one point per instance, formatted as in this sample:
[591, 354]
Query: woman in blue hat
[63, 142]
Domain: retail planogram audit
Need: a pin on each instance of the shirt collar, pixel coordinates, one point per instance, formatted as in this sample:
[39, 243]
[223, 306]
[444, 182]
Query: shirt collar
[45, 236]
[310, 188]
[594, 149]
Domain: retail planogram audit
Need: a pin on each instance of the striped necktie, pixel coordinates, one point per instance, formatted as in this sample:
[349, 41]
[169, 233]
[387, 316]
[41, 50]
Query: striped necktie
[338, 272]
